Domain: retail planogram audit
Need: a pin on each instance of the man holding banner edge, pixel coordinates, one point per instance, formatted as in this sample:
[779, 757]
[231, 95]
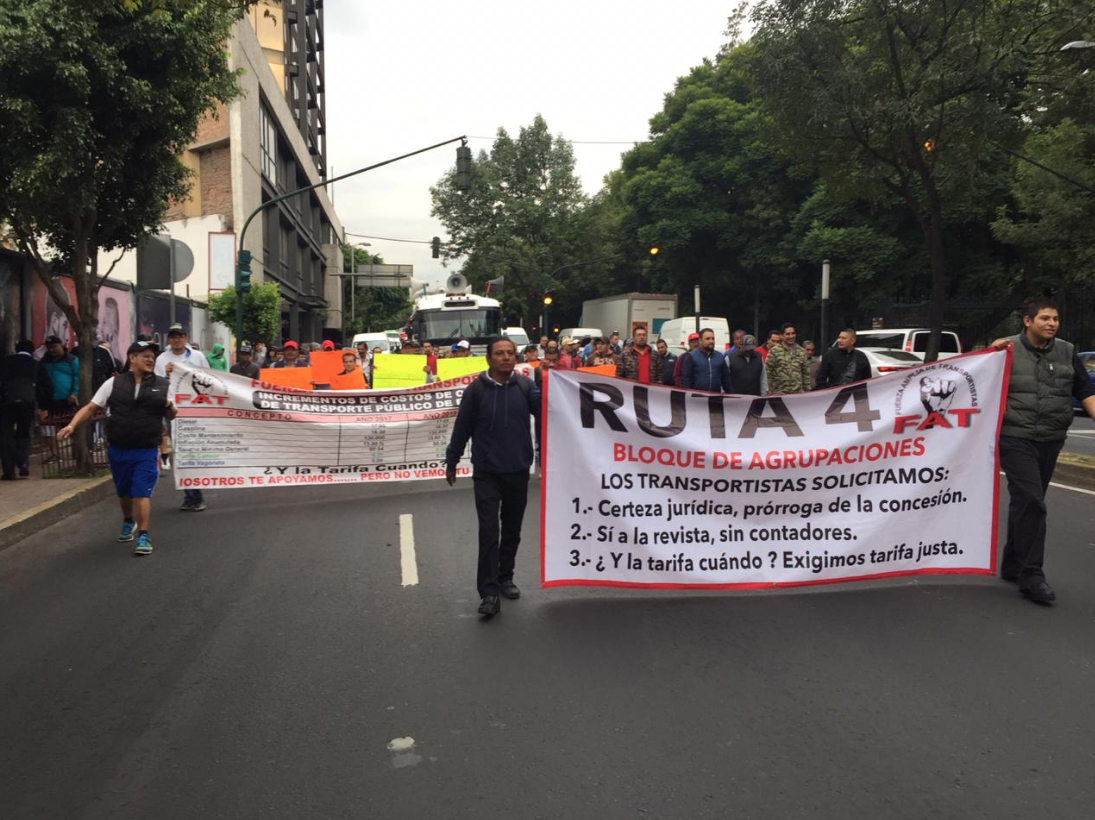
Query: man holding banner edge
[1045, 374]
[494, 413]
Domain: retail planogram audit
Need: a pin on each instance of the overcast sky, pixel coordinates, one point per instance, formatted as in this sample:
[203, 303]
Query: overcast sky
[401, 76]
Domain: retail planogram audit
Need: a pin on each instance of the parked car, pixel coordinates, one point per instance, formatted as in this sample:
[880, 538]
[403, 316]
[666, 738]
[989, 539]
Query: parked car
[1088, 360]
[910, 340]
[889, 361]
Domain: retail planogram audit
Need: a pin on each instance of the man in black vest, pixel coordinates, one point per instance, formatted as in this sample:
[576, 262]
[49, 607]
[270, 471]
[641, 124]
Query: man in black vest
[747, 371]
[139, 404]
[1045, 374]
[24, 383]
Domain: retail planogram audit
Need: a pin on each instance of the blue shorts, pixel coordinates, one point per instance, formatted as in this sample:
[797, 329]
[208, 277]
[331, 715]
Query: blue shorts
[135, 470]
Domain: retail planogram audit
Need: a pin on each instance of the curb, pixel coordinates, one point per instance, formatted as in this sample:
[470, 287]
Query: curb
[1075, 470]
[28, 522]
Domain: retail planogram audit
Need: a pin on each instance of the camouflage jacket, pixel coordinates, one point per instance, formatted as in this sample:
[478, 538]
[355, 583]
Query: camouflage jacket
[788, 370]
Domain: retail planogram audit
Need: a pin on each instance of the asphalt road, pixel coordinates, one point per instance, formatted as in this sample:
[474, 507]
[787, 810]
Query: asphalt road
[1081, 437]
[262, 660]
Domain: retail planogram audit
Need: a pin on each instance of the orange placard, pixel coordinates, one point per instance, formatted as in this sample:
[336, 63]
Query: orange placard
[601, 369]
[348, 381]
[326, 364]
[299, 377]
[533, 364]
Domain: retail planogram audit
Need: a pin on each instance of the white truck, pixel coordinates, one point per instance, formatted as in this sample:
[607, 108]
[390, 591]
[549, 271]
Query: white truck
[625, 312]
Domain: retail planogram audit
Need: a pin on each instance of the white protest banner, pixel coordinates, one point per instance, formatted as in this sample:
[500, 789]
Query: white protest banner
[234, 432]
[652, 486]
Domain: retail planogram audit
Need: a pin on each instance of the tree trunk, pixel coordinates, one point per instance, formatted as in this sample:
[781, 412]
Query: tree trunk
[84, 278]
[938, 260]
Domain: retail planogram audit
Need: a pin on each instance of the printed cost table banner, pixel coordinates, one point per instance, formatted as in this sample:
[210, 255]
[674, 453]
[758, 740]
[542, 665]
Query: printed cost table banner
[232, 431]
[663, 487]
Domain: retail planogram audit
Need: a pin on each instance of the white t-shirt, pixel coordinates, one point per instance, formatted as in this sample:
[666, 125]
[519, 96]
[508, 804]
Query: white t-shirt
[102, 395]
[194, 358]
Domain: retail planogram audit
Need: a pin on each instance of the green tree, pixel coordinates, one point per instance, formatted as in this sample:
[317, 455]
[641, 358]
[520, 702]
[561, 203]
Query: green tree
[522, 218]
[902, 100]
[98, 98]
[261, 311]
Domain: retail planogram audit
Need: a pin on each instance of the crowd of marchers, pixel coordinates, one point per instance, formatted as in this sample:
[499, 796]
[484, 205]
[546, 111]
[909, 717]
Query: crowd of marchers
[780, 365]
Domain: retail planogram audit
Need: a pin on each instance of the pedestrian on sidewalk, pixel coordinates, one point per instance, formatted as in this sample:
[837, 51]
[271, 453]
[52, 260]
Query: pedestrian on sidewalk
[1046, 374]
[494, 413]
[25, 388]
[179, 351]
[64, 373]
[139, 404]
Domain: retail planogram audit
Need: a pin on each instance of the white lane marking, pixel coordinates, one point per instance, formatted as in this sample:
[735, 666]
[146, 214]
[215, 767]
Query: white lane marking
[1064, 487]
[1074, 489]
[1081, 432]
[407, 561]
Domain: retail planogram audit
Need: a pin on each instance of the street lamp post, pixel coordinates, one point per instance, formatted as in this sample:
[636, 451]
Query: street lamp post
[353, 273]
[823, 343]
[243, 260]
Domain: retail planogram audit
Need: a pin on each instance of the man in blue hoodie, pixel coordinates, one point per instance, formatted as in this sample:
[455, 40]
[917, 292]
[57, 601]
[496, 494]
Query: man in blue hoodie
[494, 413]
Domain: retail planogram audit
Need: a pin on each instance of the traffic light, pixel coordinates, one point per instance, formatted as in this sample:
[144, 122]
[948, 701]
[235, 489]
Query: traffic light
[929, 144]
[435, 246]
[654, 251]
[549, 298]
[463, 169]
[243, 275]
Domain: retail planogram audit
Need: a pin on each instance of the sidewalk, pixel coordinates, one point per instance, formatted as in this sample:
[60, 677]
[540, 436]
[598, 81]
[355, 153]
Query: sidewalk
[28, 505]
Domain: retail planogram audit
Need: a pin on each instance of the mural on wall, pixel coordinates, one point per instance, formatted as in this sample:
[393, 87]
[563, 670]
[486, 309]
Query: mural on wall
[115, 320]
[10, 276]
[154, 317]
[47, 319]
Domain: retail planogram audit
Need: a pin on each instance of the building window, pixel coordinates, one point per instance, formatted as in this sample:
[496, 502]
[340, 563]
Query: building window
[268, 144]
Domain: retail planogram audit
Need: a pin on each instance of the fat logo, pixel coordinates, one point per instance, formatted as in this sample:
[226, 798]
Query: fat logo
[937, 394]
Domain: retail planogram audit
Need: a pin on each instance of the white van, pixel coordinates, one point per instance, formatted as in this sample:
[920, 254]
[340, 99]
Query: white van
[675, 332]
[380, 340]
[579, 333]
[518, 335]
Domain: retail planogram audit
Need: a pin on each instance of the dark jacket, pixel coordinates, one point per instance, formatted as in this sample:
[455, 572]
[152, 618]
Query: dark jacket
[702, 372]
[669, 365]
[840, 367]
[136, 421]
[24, 381]
[747, 372]
[251, 371]
[104, 365]
[496, 419]
[628, 365]
[1040, 390]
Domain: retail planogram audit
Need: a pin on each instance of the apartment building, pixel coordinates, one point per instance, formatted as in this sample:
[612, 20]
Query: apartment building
[268, 141]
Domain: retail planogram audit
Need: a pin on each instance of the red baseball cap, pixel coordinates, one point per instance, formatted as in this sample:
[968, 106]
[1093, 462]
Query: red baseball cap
[291, 344]
[692, 336]
[328, 344]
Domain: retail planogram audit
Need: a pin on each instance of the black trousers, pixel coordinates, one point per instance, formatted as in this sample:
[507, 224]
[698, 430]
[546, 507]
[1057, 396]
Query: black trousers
[1029, 468]
[16, 422]
[500, 500]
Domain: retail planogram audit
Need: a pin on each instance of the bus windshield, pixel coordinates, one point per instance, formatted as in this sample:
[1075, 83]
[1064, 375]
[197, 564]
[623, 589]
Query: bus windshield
[452, 325]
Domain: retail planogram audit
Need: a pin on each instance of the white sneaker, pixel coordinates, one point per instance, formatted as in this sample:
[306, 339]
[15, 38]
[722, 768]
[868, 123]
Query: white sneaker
[165, 461]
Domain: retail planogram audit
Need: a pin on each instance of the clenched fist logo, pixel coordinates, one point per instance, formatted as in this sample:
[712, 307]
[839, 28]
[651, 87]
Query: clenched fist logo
[937, 394]
[206, 384]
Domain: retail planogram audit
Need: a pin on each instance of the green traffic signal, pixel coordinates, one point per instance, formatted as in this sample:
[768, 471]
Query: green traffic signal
[243, 274]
